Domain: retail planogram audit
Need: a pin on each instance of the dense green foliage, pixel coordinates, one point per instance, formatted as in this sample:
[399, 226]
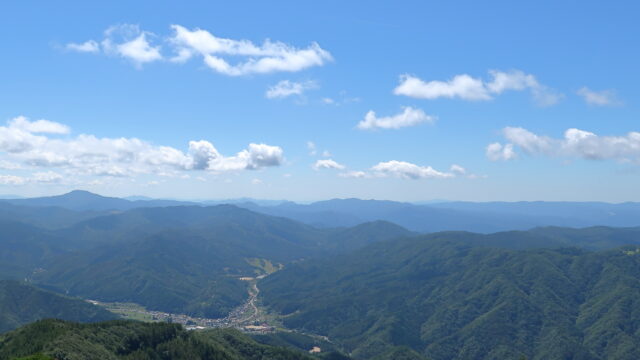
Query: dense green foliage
[21, 304]
[454, 299]
[297, 341]
[133, 340]
[183, 259]
[49, 217]
[449, 295]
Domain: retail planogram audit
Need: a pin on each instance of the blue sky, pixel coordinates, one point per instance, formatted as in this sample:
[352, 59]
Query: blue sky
[471, 100]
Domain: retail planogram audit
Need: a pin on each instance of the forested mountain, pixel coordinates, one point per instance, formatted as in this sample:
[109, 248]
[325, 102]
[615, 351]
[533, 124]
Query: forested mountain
[376, 289]
[184, 259]
[453, 299]
[49, 217]
[195, 271]
[55, 339]
[22, 303]
[24, 247]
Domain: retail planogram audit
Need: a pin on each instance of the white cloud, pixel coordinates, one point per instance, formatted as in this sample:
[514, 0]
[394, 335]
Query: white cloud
[129, 42]
[90, 46]
[286, 88]
[326, 154]
[38, 177]
[457, 169]
[139, 50]
[462, 86]
[598, 98]
[12, 180]
[408, 117]
[202, 152]
[8, 165]
[256, 181]
[327, 164]
[328, 101]
[23, 143]
[353, 174]
[469, 88]
[266, 58]
[47, 177]
[575, 143]
[408, 170]
[126, 41]
[497, 151]
[38, 126]
[262, 155]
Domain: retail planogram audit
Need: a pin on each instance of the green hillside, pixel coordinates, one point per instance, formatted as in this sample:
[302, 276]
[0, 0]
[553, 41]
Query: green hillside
[453, 299]
[56, 339]
[21, 304]
[173, 272]
[188, 259]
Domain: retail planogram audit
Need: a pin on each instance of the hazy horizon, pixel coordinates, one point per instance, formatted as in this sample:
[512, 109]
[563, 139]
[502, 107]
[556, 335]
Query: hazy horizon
[135, 197]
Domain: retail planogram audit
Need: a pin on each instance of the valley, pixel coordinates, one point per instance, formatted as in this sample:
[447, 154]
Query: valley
[319, 180]
[373, 288]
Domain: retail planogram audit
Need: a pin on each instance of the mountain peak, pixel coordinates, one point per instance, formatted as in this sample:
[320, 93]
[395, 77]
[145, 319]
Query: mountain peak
[81, 193]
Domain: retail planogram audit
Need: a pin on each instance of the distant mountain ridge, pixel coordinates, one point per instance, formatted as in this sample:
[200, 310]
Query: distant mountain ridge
[485, 217]
[461, 216]
[81, 200]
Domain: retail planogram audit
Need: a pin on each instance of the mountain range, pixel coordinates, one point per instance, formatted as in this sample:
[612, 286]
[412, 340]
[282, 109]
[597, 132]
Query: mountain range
[464, 296]
[362, 273]
[443, 216]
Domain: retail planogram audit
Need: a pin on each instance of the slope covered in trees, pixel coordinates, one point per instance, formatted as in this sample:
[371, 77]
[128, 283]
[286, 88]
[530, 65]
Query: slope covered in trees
[56, 339]
[184, 259]
[21, 304]
[461, 299]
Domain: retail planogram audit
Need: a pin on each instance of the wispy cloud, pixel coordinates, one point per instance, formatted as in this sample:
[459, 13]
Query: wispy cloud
[497, 151]
[265, 58]
[286, 88]
[576, 143]
[466, 87]
[131, 42]
[90, 46]
[126, 41]
[599, 98]
[407, 170]
[311, 146]
[327, 164]
[408, 117]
